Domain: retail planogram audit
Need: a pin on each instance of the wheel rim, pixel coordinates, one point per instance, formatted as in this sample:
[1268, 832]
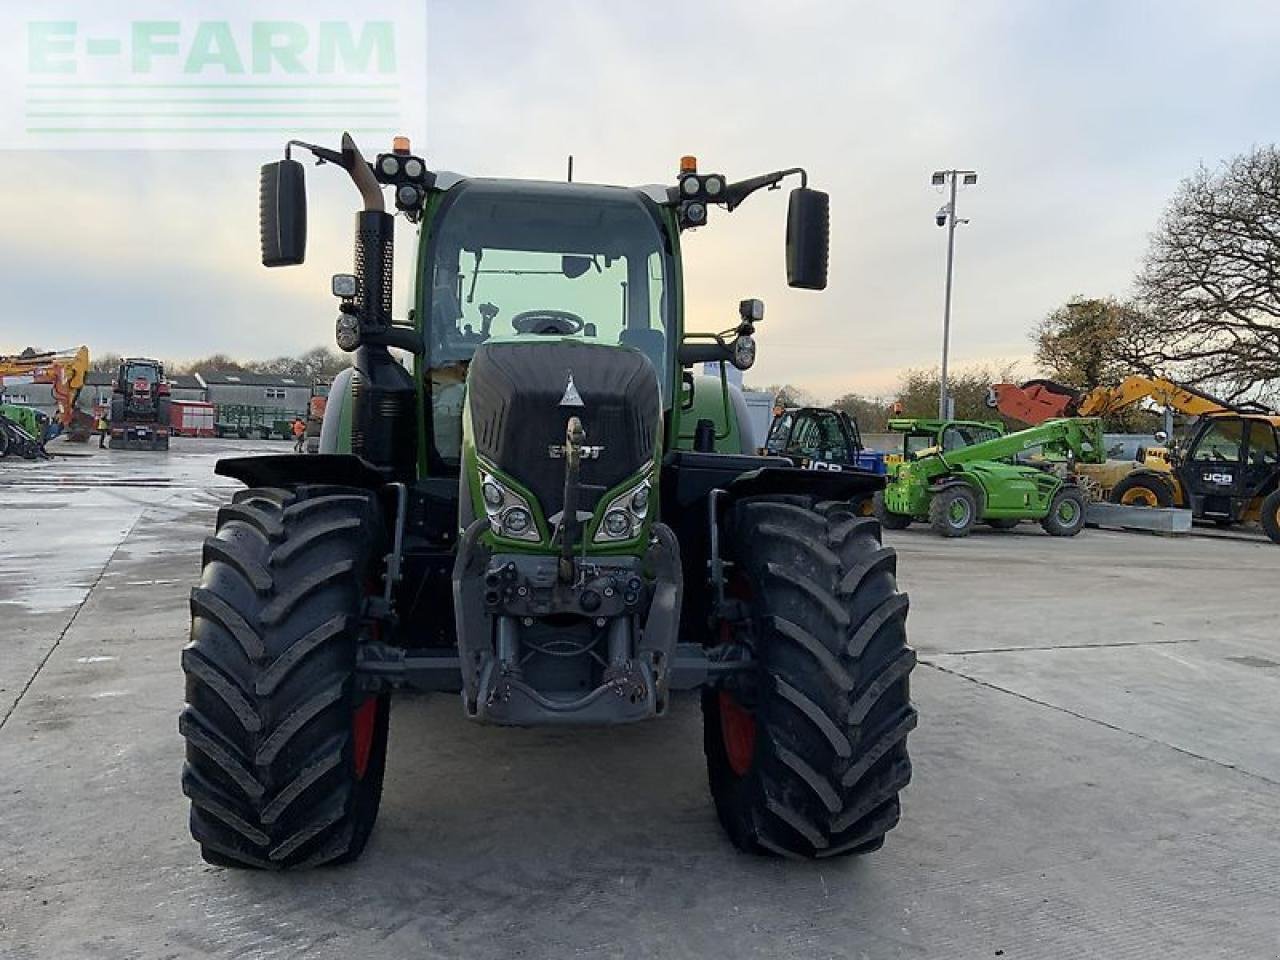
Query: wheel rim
[1138, 497]
[958, 512]
[1067, 512]
[738, 730]
[363, 722]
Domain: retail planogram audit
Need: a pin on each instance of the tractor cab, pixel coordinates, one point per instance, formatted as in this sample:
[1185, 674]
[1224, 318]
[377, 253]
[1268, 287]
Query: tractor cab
[816, 438]
[511, 267]
[922, 436]
[1229, 462]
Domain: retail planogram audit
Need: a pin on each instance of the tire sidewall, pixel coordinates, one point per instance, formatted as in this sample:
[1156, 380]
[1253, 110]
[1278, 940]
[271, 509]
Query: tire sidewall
[942, 505]
[1053, 522]
[1270, 516]
[1158, 487]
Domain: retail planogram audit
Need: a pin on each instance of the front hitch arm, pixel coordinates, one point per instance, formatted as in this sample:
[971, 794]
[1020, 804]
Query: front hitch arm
[574, 437]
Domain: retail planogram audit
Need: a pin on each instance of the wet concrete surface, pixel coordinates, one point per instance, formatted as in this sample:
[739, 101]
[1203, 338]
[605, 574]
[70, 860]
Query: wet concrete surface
[1097, 770]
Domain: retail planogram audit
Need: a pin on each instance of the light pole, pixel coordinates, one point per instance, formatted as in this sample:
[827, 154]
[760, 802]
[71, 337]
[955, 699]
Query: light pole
[946, 217]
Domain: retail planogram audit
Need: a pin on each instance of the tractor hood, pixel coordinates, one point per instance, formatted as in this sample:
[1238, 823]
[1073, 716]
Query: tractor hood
[522, 392]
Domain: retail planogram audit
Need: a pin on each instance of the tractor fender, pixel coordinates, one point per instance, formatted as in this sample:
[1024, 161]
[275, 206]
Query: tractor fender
[946, 482]
[821, 484]
[287, 470]
[335, 437]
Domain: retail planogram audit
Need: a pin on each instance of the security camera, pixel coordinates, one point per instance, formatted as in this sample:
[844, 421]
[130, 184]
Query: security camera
[940, 218]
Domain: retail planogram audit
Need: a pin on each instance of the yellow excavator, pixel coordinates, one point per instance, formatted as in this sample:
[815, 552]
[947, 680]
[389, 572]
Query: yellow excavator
[65, 371]
[1228, 471]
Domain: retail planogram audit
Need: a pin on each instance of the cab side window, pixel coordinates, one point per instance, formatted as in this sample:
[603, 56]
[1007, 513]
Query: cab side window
[804, 438]
[777, 441]
[1220, 443]
[1263, 449]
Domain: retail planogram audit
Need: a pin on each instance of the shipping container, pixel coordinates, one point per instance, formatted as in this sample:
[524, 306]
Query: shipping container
[191, 418]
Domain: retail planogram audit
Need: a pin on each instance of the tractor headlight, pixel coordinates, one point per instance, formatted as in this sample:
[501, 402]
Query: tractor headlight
[744, 352]
[492, 494]
[509, 513]
[347, 333]
[516, 521]
[625, 514]
[617, 525]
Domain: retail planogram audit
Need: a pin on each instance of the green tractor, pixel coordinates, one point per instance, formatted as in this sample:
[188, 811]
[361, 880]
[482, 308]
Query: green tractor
[975, 472]
[546, 514]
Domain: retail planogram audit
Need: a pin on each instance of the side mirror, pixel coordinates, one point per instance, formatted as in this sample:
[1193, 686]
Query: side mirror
[282, 213]
[808, 238]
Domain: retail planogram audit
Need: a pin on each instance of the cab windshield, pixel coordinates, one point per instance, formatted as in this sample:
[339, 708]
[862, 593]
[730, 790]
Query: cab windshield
[529, 259]
[140, 371]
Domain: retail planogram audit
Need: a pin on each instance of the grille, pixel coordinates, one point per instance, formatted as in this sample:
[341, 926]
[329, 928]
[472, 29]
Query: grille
[514, 392]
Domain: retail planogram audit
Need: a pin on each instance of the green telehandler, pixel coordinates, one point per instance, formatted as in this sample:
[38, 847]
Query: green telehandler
[995, 482]
[23, 431]
[547, 515]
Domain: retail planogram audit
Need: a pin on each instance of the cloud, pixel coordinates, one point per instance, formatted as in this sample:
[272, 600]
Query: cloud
[1080, 117]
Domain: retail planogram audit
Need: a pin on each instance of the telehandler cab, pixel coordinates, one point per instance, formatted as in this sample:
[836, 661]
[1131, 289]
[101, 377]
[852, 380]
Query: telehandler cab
[526, 517]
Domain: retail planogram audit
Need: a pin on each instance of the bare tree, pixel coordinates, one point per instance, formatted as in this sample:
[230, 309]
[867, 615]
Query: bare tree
[871, 415]
[917, 394]
[104, 362]
[1211, 281]
[1083, 343]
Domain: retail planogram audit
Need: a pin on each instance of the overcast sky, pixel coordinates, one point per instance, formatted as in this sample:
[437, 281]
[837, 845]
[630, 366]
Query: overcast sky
[1081, 118]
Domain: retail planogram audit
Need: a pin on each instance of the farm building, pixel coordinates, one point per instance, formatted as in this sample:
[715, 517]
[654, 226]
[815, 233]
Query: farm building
[268, 391]
[186, 387]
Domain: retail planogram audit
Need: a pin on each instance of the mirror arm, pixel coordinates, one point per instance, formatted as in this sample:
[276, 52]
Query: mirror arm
[352, 161]
[736, 192]
[715, 351]
[395, 335]
[714, 348]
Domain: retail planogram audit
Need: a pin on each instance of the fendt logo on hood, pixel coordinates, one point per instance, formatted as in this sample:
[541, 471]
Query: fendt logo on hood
[571, 396]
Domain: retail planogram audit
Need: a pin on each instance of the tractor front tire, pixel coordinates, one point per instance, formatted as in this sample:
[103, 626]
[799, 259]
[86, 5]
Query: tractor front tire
[285, 756]
[806, 754]
[953, 510]
[1270, 517]
[1142, 490]
[888, 519]
[1066, 514]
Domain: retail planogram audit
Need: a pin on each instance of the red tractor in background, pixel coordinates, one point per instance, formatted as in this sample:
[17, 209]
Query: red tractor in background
[140, 406]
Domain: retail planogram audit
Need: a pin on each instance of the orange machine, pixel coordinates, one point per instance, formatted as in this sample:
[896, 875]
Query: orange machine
[64, 370]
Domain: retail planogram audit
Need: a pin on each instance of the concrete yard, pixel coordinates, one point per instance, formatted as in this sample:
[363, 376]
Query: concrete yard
[1097, 769]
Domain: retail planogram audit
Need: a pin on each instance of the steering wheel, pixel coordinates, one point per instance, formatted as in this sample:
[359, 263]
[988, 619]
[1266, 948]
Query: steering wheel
[547, 322]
